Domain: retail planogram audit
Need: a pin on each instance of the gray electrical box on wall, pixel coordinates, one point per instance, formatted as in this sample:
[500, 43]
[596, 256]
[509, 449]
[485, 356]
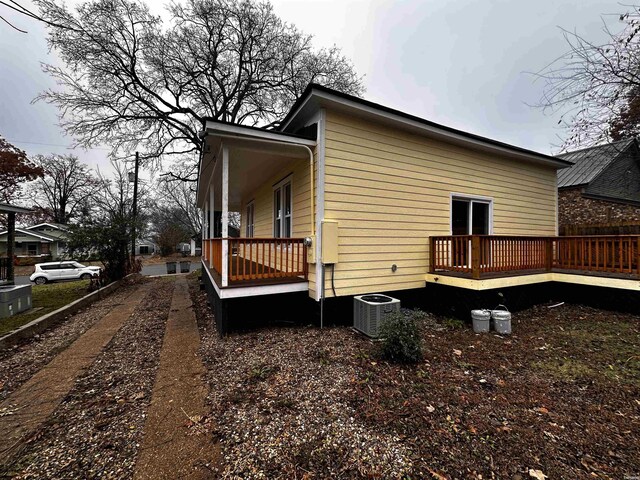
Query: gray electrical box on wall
[329, 242]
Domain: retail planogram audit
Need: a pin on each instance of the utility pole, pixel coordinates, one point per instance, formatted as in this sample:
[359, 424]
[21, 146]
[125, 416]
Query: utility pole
[135, 208]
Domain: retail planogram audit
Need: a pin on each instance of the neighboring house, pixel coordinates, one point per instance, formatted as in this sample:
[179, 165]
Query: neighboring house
[146, 247]
[349, 197]
[41, 240]
[602, 186]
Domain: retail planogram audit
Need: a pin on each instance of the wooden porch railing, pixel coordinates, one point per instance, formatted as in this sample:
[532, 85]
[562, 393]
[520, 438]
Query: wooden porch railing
[483, 254]
[265, 258]
[258, 258]
[212, 253]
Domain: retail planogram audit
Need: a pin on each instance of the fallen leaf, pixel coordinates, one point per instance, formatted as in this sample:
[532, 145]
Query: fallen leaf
[431, 409]
[437, 475]
[542, 410]
[537, 474]
[457, 352]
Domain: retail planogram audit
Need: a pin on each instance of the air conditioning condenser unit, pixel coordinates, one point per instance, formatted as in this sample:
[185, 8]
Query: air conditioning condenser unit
[369, 312]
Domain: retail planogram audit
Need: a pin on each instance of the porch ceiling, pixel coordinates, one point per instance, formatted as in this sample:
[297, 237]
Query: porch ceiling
[252, 161]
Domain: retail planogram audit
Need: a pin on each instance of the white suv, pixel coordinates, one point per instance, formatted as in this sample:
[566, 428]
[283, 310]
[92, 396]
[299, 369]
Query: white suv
[69, 270]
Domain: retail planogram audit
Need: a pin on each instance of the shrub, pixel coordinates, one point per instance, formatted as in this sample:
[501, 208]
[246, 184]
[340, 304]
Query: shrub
[400, 337]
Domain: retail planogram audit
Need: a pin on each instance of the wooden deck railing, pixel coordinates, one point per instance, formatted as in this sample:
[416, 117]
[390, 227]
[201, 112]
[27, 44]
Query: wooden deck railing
[258, 258]
[495, 254]
[266, 258]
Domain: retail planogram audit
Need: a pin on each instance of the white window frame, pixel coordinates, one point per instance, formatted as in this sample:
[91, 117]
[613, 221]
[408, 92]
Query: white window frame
[280, 187]
[471, 199]
[251, 218]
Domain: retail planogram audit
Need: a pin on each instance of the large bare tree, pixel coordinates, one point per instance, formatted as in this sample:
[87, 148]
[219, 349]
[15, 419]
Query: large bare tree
[597, 86]
[65, 188]
[134, 82]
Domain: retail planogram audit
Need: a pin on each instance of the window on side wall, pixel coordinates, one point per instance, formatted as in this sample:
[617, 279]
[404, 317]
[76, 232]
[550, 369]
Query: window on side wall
[250, 219]
[470, 216]
[282, 208]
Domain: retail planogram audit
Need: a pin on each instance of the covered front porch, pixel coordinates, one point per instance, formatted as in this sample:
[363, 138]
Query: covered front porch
[256, 195]
[494, 261]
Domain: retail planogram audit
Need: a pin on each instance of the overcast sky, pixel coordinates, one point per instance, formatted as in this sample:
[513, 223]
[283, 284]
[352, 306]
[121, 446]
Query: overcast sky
[461, 64]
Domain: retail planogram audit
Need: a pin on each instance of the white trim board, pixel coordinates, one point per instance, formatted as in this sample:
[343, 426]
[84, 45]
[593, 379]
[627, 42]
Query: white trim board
[320, 191]
[30, 233]
[242, 131]
[519, 280]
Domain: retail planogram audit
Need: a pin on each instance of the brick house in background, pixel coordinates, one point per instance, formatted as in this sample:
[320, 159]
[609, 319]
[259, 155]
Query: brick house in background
[602, 186]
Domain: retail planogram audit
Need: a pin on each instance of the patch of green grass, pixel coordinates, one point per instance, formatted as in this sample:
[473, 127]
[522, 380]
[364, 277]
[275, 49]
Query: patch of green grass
[565, 368]
[46, 298]
[599, 350]
[453, 323]
[261, 372]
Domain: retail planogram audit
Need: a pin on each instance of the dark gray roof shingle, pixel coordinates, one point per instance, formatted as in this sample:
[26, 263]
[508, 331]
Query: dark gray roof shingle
[589, 163]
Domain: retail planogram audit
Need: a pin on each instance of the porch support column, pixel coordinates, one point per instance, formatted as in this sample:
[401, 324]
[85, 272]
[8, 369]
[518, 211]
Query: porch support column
[225, 216]
[203, 233]
[212, 213]
[11, 241]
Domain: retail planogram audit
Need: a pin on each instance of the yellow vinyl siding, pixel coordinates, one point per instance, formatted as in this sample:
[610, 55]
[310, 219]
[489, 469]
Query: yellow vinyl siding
[390, 190]
[263, 208]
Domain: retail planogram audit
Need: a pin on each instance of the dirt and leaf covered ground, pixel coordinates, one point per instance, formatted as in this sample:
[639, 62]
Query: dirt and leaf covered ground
[96, 430]
[560, 398]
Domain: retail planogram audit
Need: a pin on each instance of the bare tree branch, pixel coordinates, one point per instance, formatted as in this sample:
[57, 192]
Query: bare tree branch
[134, 82]
[596, 87]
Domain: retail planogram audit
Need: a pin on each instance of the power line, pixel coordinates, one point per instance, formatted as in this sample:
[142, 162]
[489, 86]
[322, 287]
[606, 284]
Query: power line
[55, 145]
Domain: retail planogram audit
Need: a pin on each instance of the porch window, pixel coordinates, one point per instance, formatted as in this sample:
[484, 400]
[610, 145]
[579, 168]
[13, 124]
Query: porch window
[282, 209]
[250, 220]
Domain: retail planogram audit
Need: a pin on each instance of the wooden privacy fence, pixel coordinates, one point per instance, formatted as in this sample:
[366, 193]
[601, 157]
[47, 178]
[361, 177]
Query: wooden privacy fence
[258, 258]
[613, 254]
[611, 228]
[494, 254]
